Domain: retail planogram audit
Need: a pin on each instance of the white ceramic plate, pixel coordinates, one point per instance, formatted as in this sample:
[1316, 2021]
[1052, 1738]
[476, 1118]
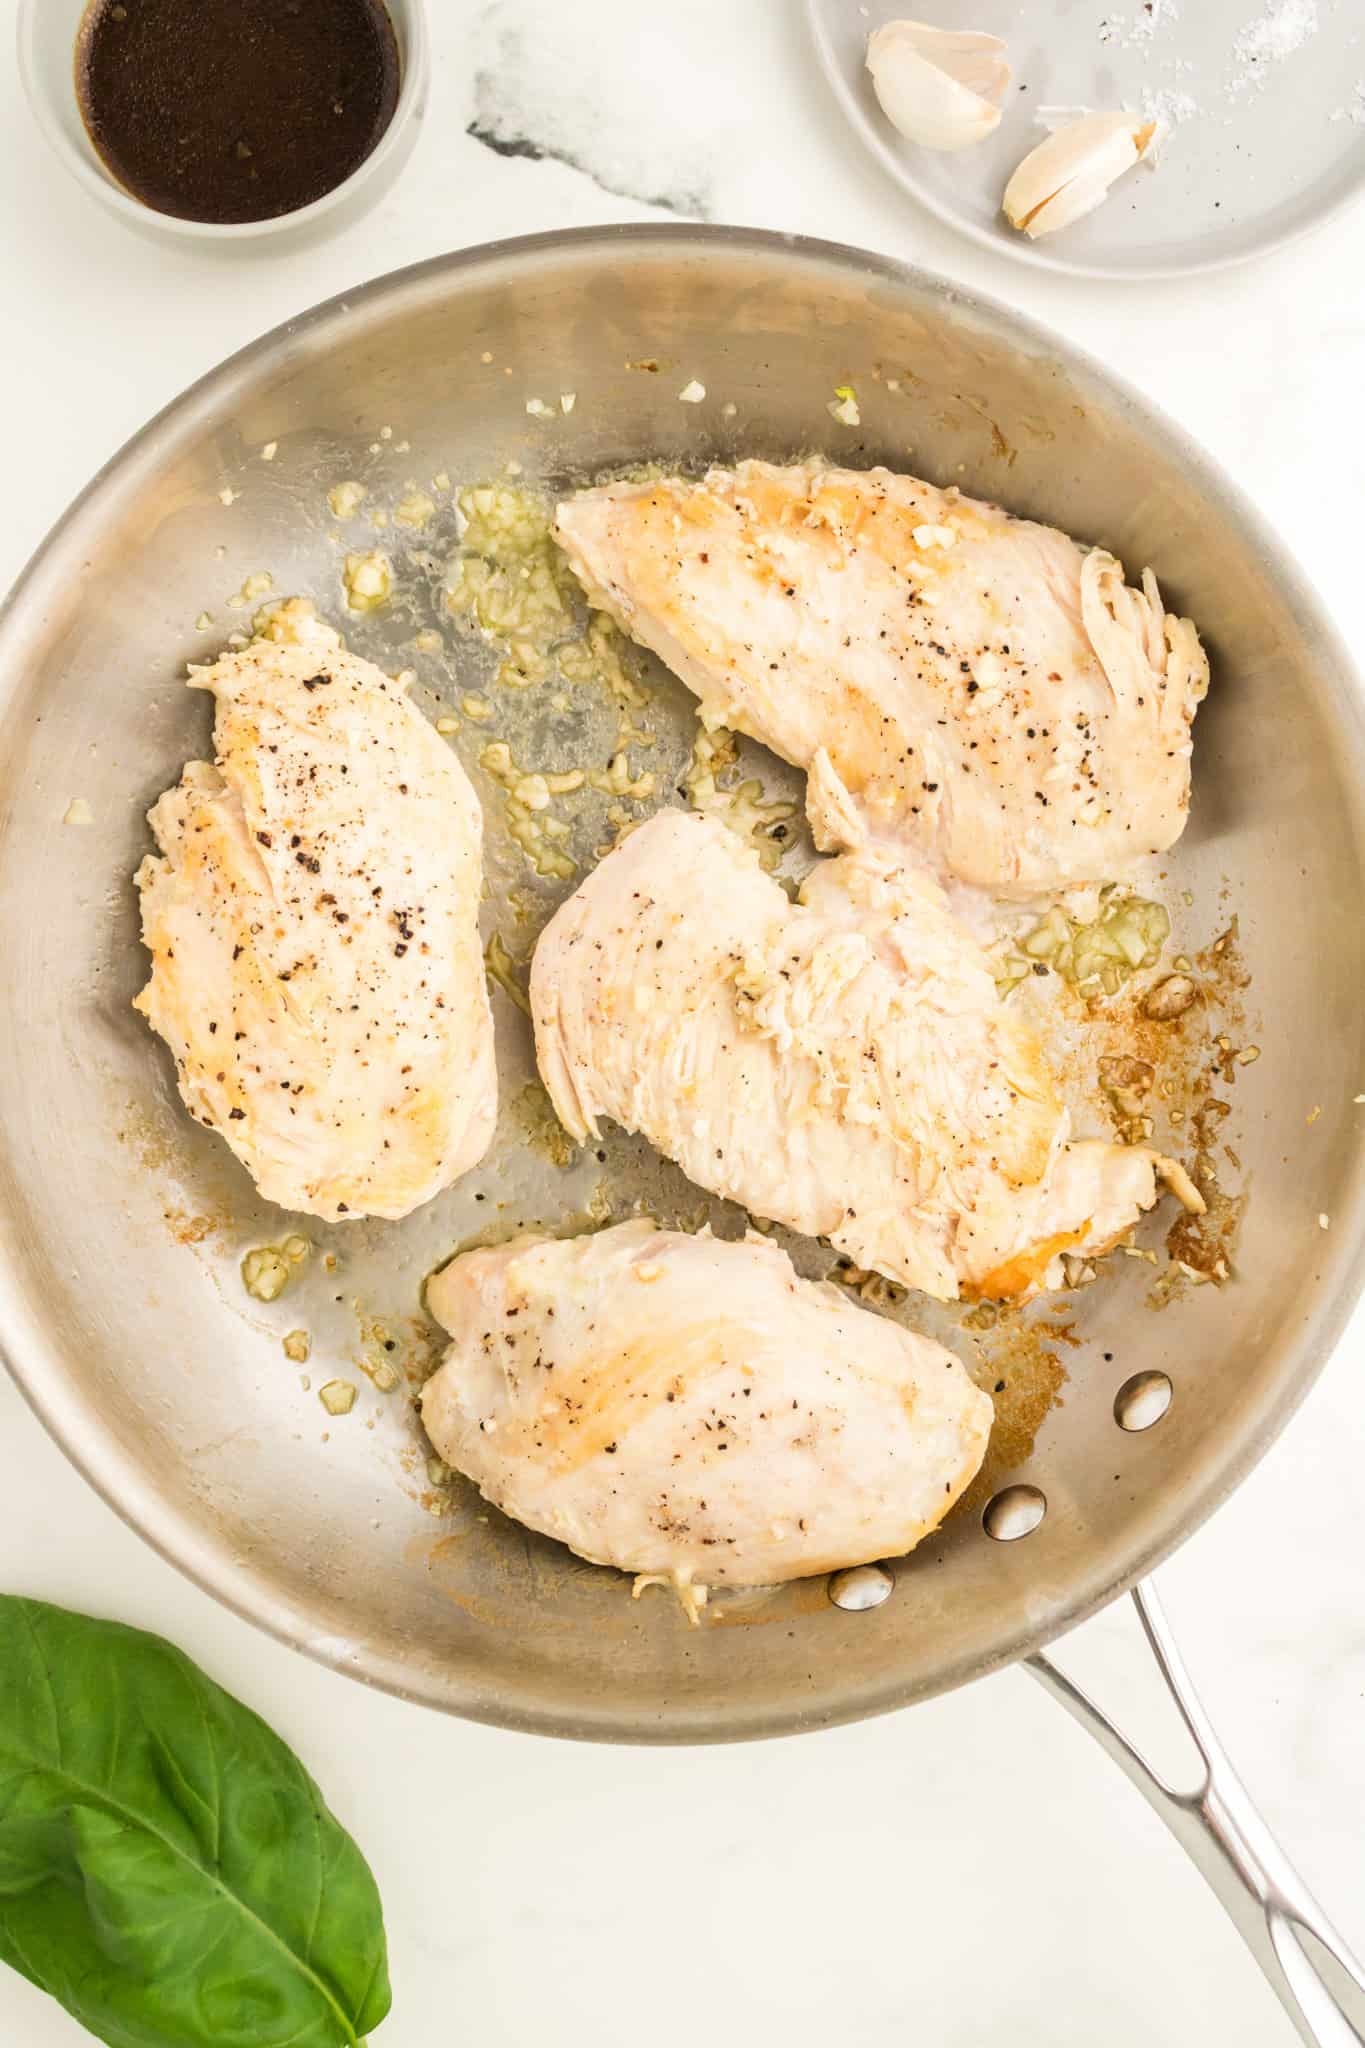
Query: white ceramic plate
[1266, 114]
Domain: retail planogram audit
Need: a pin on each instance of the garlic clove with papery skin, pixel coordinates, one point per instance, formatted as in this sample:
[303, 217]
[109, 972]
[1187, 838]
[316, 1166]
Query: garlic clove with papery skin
[1070, 174]
[940, 87]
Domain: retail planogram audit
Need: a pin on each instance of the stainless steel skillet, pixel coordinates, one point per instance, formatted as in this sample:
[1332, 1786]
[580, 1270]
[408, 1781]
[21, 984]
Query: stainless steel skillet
[121, 1227]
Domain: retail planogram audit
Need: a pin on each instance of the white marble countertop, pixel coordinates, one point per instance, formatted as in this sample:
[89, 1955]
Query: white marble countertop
[973, 1870]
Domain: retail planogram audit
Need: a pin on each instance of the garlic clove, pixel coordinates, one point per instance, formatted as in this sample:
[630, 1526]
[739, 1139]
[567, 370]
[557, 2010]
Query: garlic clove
[1070, 174]
[939, 87]
[970, 56]
[1075, 199]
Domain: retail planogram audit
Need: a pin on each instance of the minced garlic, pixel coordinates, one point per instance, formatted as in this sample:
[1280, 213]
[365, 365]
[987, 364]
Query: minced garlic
[414, 509]
[368, 580]
[503, 970]
[1095, 958]
[346, 499]
[711, 789]
[254, 587]
[617, 780]
[540, 837]
[266, 1272]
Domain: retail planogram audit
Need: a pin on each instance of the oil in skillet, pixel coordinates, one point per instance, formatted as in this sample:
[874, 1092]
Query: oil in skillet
[235, 110]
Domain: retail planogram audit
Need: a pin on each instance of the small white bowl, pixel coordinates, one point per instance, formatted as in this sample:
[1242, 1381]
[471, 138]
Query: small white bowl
[47, 46]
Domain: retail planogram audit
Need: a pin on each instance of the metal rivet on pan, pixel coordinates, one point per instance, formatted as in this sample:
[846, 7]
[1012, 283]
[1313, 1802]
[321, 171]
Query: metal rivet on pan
[860, 1587]
[1142, 1400]
[1015, 1511]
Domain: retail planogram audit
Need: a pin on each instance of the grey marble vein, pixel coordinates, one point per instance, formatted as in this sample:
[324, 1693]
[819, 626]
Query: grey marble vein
[690, 205]
[522, 109]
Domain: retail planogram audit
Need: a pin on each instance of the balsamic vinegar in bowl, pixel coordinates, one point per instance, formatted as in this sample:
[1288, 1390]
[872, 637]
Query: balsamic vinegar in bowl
[228, 111]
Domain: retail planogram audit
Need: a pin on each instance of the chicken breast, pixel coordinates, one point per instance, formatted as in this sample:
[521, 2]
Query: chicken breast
[313, 924]
[688, 1407]
[842, 1065]
[990, 692]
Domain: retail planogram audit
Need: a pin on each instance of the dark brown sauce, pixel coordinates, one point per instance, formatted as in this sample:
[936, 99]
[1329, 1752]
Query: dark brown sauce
[235, 110]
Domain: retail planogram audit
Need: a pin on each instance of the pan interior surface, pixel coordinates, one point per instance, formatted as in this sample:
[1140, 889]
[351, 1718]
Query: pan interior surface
[123, 1226]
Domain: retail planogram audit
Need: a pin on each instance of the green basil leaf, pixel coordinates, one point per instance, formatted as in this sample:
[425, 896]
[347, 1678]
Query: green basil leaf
[168, 1869]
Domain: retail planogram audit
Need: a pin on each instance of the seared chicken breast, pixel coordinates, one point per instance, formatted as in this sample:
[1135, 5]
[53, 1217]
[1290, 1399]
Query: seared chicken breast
[842, 1064]
[312, 918]
[991, 693]
[688, 1407]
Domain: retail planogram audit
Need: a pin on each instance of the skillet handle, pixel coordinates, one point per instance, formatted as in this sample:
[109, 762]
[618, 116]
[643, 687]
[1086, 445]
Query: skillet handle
[1318, 1981]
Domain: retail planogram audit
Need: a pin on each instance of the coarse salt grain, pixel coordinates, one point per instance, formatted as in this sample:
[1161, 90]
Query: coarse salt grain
[1285, 27]
[1142, 27]
[1168, 109]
